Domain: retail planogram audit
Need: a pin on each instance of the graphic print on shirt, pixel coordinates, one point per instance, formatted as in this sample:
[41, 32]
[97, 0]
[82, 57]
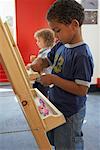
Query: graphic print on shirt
[58, 62]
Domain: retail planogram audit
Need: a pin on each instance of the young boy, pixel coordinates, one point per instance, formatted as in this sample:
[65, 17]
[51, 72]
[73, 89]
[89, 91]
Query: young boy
[71, 74]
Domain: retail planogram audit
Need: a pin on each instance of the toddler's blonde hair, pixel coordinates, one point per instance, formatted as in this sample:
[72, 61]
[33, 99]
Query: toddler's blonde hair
[47, 35]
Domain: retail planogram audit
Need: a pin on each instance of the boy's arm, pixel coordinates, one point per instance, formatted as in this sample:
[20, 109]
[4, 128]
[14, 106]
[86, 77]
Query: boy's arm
[39, 64]
[69, 86]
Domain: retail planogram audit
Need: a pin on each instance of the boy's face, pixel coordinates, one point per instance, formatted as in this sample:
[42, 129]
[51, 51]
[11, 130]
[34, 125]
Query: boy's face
[66, 33]
[40, 42]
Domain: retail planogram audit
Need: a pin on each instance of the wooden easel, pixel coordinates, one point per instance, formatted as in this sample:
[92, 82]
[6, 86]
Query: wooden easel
[14, 67]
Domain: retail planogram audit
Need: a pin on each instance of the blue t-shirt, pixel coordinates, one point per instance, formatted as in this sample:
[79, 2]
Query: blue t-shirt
[74, 63]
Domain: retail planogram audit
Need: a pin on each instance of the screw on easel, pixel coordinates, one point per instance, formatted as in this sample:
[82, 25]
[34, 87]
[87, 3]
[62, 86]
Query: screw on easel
[24, 103]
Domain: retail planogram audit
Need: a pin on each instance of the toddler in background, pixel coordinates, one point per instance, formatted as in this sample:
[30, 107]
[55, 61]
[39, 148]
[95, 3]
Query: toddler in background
[45, 40]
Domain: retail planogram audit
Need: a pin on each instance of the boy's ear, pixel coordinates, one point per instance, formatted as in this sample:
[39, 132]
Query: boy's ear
[75, 23]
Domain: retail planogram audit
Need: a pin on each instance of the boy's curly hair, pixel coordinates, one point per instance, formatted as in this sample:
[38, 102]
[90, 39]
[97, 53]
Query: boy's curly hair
[64, 11]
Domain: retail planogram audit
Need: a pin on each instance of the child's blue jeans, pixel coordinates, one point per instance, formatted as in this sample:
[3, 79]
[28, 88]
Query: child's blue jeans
[69, 135]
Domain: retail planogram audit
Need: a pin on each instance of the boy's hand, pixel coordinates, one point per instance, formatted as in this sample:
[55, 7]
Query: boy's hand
[37, 65]
[47, 79]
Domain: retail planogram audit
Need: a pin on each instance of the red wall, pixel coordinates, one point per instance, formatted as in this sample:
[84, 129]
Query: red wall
[3, 77]
[30, 16]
